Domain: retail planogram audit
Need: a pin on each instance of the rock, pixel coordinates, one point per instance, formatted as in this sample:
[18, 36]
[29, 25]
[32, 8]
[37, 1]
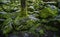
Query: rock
[26, 35]
[32, 17]
[2, 19]
[3, 13]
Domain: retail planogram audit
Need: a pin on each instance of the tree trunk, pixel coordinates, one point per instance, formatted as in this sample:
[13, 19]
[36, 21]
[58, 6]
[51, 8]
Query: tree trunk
[23, 7]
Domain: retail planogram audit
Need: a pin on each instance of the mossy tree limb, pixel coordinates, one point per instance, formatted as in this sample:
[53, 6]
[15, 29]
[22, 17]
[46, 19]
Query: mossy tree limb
[23, 8]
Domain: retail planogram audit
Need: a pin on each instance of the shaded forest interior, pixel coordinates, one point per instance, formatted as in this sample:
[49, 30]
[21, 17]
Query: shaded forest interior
[29, 18]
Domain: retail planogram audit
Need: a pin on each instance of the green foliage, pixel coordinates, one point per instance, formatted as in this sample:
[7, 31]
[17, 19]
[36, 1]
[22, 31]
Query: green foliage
[18, 18]
[48, 12]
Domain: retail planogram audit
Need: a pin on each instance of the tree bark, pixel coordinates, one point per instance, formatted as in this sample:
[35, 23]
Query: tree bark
[23, 7]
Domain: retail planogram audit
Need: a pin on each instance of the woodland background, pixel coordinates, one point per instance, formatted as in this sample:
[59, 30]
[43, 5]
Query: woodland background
[29, 18]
